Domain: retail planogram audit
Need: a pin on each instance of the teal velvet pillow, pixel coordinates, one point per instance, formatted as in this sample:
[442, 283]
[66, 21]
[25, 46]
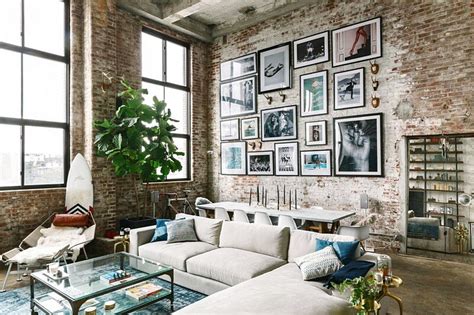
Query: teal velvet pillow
[161, 232]
[344, 250]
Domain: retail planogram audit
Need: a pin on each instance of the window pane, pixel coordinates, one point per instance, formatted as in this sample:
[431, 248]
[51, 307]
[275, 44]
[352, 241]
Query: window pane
[44, 93]
[44, 25]
[183, 174]
[10, 83]
[177, 102]
[152, 57]
[44, 156]
[175, 63]
[10, 22]
[153, 90]
[10, 155]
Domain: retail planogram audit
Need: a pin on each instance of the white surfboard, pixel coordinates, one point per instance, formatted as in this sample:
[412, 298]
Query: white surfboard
[79, 189]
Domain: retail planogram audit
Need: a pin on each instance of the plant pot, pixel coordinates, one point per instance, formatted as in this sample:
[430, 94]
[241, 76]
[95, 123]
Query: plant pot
[137, 222]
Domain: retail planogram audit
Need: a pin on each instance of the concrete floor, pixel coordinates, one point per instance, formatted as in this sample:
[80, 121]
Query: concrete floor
[430, 286]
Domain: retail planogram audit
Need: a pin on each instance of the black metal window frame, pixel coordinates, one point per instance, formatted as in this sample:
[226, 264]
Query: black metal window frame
[186, 87]
[23, 123]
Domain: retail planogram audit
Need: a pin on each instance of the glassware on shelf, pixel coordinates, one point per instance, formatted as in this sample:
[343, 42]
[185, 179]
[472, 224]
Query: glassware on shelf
[384, 265]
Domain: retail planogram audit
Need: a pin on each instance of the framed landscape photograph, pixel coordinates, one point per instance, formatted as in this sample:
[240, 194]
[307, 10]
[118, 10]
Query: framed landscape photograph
[315, 163]
[279, 123]
[260, 163]
[349, 89]
[314, 93]
[233, 158]
[286, 159]
[238, 98]
[358, 145]
[311, 50]
[357, 42]
[239, 67]
[230, 129]
[316, 133]
[249, 128]
[274, 68]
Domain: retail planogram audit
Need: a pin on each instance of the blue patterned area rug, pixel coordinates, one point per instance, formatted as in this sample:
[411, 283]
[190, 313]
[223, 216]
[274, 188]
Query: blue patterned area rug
[18, 301]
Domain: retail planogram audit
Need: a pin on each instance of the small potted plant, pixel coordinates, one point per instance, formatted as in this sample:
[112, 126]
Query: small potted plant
[364, 292]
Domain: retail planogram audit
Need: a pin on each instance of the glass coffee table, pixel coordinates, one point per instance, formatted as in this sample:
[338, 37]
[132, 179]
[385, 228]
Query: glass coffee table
[81, 285]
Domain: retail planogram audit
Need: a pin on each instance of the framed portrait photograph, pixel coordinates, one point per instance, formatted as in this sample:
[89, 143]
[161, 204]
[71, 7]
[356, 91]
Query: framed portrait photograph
[238, 97]
[286, 159]
[315, 163]
[260, 163]
[311, 50]
[239, 67]
[358, 145]
[279, 123]
[314, 93]
[230, 129]
[316, 133]
[357, 42]
[349, 89]
[249, 128]
[233, 158]
[274, 68]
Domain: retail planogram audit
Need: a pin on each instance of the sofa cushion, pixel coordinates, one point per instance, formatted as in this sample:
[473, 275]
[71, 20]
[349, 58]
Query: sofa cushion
[207, 230]
[161, 232]
[304, 242]
[257, 238]
[344, 250]
[173, 254]
[230, 265]
[181, 231]
[319, 264]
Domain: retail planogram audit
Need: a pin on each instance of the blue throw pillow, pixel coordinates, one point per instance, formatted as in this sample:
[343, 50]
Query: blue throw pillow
[161, 233]
[354, 269]
[344, 250]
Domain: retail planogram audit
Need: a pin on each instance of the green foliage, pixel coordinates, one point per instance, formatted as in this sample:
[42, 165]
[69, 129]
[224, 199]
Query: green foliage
[137, 139]
[363, 290]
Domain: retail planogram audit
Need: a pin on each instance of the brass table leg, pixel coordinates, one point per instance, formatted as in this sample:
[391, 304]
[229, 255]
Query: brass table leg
[386, 293]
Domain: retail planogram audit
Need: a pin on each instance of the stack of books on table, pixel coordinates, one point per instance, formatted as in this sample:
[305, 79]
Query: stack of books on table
[115, 277]
[143, 290]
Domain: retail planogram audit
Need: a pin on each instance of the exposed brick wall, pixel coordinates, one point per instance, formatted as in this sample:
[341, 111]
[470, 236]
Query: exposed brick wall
[426, 71]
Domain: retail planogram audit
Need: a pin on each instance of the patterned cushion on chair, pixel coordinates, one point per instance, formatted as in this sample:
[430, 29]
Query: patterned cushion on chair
[318, 264]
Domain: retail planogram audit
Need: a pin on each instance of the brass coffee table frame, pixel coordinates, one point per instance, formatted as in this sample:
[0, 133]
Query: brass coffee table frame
[395, 283]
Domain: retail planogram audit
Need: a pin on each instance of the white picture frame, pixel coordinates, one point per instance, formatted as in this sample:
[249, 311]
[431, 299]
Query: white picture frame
[233, 158]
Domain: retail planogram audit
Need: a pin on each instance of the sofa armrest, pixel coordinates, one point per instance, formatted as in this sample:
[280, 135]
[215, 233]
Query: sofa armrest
[139, 237]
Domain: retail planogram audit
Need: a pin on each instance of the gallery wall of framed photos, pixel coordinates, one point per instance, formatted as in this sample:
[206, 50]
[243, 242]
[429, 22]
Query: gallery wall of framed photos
[324, 92]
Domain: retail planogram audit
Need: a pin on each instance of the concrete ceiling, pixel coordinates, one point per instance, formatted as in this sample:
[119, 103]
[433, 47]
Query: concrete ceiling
[209, 19]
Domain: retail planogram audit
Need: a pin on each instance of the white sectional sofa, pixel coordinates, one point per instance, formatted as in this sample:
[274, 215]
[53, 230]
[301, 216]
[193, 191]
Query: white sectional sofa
[244, 268]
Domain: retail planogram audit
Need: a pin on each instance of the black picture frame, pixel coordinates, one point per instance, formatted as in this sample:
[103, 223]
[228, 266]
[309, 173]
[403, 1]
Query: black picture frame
[314, 40]
[271, 160]
[324, 128]
[335, 89]
[242, 129]
[227, 100]
[325, 97]
[372, 165]
[329, 159]
[295, 171]
[268, 132]
[243, 169]
[264, 69]
[230, 63]
[234, 120]
[341, 35]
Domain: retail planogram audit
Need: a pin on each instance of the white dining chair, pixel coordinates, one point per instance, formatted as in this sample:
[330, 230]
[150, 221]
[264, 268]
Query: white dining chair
[360, 233]
[221, 214]
[262, 218]
[286, 220]
[240, 216]
[202, 213]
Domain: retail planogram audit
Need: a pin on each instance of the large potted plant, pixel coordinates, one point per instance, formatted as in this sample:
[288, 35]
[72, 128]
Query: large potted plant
[138, 141]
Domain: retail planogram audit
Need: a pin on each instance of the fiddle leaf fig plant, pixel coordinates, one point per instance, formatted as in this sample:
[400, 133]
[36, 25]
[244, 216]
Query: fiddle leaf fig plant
[138, 139]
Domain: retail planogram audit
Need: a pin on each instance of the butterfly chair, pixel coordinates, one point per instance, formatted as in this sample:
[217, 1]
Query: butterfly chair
[69, 251]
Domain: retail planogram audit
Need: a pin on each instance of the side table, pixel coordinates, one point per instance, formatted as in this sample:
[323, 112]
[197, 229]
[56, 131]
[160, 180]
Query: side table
[394, 283]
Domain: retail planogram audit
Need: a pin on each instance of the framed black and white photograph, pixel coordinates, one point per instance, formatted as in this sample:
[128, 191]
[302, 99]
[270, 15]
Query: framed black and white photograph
[249, 128]
[238, 97]
[314, 93]
[239, 67]
[233, 158]
[279, 123]
[315, 163]
[349, 89]
[357, 42]
[311, 50]
[286, 159]
[358, 145]
[316, 133]
[230, 129]
[274, 68]
[260, 163]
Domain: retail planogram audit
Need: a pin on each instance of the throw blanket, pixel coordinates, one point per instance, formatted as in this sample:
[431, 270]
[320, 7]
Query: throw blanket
[52, 241]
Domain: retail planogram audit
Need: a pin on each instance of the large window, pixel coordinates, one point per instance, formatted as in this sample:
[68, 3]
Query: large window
[165, 75]
[34, 80]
